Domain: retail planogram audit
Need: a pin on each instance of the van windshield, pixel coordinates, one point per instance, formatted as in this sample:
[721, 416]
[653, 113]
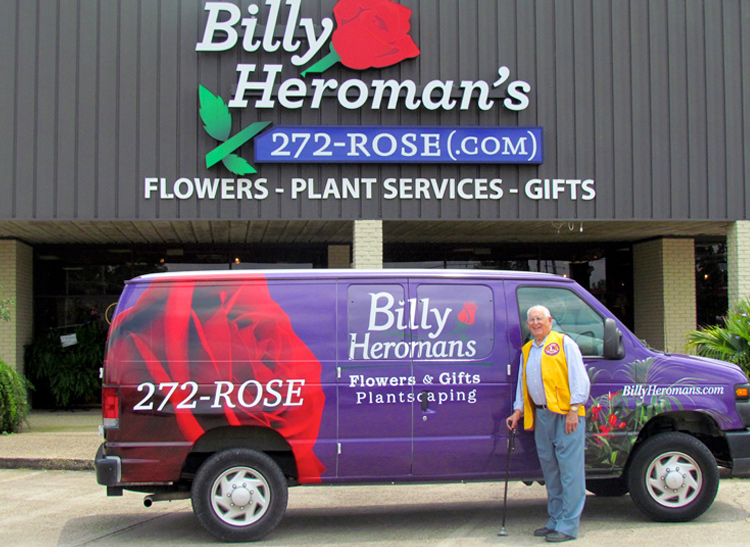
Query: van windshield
[571, 315]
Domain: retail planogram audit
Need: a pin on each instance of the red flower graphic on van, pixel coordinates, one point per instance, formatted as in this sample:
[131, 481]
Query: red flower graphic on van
[467, 314]
[595, 410]
[220, 338]
[369, 33]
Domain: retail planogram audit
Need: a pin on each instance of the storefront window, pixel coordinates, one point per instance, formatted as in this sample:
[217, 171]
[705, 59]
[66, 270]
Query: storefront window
[710, 283]
[606, 272]
[75, 285]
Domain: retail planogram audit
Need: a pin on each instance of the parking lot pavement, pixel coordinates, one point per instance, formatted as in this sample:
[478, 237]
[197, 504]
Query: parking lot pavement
[68, 508]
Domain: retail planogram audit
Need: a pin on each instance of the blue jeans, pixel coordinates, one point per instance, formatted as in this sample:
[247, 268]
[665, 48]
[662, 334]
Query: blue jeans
[562, 458]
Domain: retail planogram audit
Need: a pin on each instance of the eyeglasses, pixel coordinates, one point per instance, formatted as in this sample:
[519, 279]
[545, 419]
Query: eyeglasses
[536, 319]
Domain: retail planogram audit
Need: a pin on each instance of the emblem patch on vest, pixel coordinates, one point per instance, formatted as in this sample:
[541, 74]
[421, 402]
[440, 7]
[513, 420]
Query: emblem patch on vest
[552, 349]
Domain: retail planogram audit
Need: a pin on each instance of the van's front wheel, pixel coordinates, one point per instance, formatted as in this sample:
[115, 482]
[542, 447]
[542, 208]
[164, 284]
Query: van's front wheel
[673, 477]
[239, 495]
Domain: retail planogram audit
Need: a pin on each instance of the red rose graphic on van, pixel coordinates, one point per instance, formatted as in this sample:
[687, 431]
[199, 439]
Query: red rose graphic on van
[467, 314]
[369, 34]
[233, 358]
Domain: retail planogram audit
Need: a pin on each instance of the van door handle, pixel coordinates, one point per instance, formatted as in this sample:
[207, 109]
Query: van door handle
[425, 402]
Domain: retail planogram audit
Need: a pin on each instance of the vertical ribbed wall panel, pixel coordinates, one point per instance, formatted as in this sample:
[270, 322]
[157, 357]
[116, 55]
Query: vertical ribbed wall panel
[650, 98]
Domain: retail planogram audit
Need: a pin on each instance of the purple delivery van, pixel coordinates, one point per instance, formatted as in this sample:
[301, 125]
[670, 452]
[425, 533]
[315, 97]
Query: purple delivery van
[228, 387]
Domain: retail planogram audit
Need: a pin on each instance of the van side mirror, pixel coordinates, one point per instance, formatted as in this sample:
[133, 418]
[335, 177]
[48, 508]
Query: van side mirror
[613, 347]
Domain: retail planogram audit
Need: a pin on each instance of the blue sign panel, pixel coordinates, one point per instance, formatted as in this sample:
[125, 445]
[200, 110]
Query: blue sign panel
[379, 144]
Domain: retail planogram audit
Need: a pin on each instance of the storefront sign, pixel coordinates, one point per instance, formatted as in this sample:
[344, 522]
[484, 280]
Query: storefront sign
[366, 34]
[366, 188]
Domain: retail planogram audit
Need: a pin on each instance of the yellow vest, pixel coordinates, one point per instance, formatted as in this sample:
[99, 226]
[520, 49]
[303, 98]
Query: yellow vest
[554, 378]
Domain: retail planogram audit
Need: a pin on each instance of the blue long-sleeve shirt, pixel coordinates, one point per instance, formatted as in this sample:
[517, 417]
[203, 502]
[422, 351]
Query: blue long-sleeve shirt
[578, 379]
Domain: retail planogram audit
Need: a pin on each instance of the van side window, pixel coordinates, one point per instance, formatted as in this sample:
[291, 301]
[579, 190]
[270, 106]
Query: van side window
[571, 315]
[377, 316]
[454, 322]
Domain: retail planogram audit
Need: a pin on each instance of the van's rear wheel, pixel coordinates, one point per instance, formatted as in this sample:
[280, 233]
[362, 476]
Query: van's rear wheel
[239, 495]
[673, 477]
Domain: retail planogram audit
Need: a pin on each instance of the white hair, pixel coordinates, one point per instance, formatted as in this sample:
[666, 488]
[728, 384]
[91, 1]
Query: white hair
[543, 309]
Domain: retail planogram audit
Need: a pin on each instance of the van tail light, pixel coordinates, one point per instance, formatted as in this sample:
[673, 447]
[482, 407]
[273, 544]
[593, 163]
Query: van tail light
[110, 407]
[742, 392]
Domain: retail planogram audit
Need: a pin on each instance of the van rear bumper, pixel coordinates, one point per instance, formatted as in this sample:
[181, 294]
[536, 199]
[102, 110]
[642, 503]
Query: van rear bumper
[108, 468]
[739, 450]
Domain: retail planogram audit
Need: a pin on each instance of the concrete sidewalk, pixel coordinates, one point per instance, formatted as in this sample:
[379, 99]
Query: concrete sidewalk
[59, 439]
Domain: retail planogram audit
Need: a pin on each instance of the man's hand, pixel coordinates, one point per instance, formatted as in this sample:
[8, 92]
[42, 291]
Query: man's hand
[571, 420]
[512, 420]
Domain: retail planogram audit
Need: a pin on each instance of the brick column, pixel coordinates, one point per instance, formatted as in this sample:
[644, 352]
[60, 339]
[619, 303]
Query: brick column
[738, 262]
[368, 244]
[16, 277]
[339, 256]
[664, 291]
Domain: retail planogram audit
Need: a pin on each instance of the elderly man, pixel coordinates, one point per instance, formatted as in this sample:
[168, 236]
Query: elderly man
[552, 387]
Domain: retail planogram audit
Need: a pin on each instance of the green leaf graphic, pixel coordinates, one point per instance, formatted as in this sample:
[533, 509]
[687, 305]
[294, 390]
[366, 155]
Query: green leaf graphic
[226, 148]
[237, 165]
[215, 114]
[325, 63]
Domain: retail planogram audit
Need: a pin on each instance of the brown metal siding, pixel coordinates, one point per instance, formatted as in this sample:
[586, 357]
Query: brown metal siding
[648, 97]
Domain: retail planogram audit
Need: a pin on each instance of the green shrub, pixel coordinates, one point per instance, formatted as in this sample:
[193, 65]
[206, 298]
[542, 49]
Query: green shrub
[14, 402]
[730, 342]
[67, 375]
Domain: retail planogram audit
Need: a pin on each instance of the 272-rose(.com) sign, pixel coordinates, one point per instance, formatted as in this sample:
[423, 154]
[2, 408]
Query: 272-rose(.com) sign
[382, 144]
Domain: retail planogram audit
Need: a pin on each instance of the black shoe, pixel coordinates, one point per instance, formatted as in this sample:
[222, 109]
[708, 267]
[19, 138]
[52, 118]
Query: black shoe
[558, 537]
[543, 532]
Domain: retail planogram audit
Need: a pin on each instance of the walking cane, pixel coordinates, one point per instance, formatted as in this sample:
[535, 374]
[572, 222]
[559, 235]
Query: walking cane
[511, 442]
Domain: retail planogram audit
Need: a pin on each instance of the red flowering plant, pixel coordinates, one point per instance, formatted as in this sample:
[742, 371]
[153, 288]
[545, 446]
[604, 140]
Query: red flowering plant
[614, 420]
[212, 335]
[369, 34]
[607, 427]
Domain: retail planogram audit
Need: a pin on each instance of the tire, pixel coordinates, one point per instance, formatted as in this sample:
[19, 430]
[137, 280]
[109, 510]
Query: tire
[239, 495]
[607, 488]
[673, 477]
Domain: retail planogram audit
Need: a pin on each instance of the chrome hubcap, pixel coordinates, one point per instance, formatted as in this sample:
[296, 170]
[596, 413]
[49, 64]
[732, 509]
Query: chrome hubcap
[240, 496]
[674, 479]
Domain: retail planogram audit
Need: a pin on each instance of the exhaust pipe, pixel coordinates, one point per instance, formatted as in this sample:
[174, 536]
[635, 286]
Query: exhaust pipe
[149, 500]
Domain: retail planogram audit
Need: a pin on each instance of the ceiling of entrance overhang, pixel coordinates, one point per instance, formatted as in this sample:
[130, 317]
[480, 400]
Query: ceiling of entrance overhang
[186, 232]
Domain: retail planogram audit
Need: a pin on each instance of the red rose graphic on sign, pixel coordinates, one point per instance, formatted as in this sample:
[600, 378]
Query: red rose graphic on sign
[369, 34]
[372, 33]
[467, 314]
